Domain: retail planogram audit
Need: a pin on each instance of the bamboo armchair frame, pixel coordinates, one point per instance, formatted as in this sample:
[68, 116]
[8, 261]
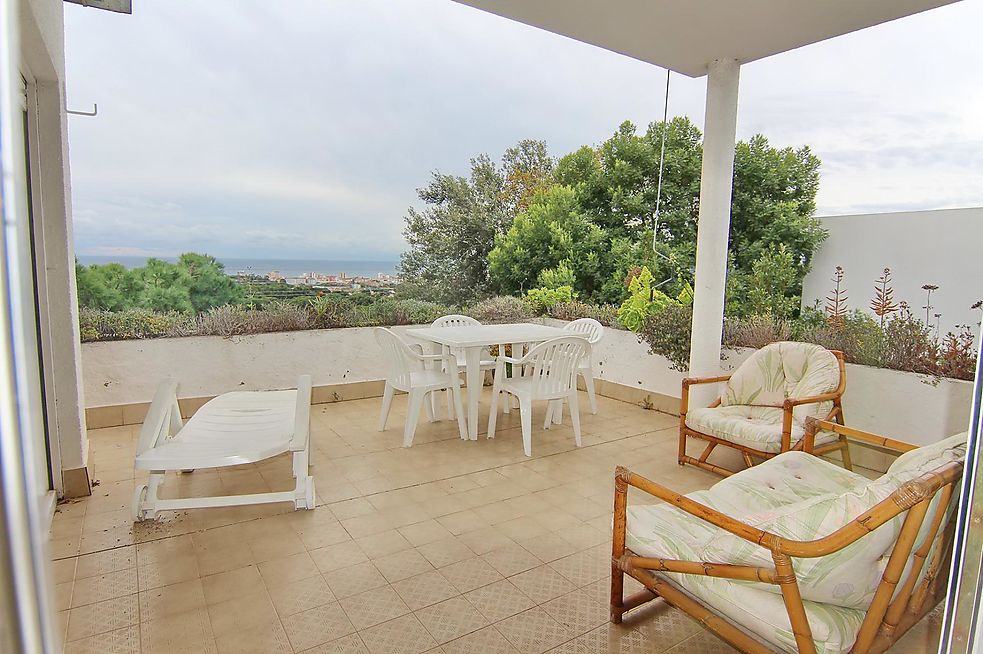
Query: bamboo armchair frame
[749, 453]
[899, 601]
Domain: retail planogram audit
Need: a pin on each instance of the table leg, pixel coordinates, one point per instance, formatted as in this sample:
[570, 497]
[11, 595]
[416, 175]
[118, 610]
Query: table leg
[473, 357]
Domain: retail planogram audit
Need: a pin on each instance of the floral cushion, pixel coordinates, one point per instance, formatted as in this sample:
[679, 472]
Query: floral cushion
[663, 531]
[848, 577]
[784, 370]
[756, 427]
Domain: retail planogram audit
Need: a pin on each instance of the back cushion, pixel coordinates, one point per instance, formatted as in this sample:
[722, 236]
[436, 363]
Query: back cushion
[850, 576]
[784, 370]
[846, 578]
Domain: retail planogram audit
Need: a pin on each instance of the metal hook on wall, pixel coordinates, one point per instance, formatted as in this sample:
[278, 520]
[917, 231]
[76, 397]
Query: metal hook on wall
[95, 110]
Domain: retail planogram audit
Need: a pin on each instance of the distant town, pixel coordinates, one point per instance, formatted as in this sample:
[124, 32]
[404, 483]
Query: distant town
[342, 282]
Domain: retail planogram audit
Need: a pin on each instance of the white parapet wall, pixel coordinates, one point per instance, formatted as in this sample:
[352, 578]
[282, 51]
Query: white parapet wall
[920, 247]
[118, 374]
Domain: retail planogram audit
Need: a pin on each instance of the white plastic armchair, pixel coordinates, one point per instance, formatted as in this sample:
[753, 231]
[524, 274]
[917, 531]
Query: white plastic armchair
[552, 375]
[487, 361]
[408, 371]
[593, 331]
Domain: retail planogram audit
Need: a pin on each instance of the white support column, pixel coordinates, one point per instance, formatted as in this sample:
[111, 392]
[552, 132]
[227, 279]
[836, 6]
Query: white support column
[720, 132]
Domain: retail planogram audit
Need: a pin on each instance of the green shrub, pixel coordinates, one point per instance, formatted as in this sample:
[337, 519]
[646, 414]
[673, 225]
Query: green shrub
[643, 302]
[100, 325]
[668, 333]
[606, 314]
[541, 300]
[755, 331]
[501, 309]
[391, 311]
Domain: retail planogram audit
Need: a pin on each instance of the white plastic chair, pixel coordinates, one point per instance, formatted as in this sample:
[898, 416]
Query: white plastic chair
[552, 375]
[229, 430]
[457, 320]
[592, 331]
[408, 372]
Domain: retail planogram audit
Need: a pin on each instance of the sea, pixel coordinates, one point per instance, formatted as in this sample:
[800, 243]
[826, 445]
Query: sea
[286, 267]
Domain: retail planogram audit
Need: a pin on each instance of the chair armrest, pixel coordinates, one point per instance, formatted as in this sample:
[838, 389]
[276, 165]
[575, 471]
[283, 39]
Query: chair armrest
[790, 402]
[449, 360]
[507, 359]
[814, 426]
[692, 381]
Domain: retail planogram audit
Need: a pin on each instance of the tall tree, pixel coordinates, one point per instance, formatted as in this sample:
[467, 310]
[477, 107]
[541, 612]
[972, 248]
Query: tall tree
[450, 238]
[209, 285]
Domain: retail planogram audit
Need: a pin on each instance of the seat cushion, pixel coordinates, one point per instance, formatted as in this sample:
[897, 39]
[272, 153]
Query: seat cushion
[788, 478]
[663, 531]
[756, 427]
[931, 456]
[784, 370]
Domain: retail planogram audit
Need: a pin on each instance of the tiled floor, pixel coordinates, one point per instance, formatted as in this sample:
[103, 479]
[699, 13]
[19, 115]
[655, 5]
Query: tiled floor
[450, 546]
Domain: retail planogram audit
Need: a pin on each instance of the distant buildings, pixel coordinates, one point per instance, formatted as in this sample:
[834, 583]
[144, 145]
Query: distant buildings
[340, 281]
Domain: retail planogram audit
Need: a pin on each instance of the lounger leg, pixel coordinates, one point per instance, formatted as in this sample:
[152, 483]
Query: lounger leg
[304, 482]
[145, 501]
[525, 417]
[575, 415]
[387, 402]
[493, 410]
[412, 417]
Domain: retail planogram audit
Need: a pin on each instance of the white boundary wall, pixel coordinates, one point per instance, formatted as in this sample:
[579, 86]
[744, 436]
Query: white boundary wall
[899, 404]
[920, 247]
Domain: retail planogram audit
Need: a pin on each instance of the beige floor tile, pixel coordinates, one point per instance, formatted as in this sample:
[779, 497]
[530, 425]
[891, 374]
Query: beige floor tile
[615, 639]
[549, 547]
[577, 611]
[482, 541]
[292, 597]
[103, 587]
[425, 532]
[285, 569]
[353, 580]
[373, 607]
[585, 567]
[424, 589]
[100, 563]
[402, 565]
[444, 552]
[451, 619]
[100, 617]
[705, 642]
[234, 583]
[241, 613]
[168, 600]
[470, 574]
[339, 555]
[462, 521]
[404, 635]
[268, 637]
[183, 631]
[383, 544]
[662, 625]
[317, 626]
[511, 559]
[542, 584]
[276, 545]
[153, 575]
[499, 600]
[483, 641]
[350, 644]
[119, 641]
[533, 631]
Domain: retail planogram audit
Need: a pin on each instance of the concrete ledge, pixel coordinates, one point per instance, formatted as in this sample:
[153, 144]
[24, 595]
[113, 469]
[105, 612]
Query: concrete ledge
[100, 417]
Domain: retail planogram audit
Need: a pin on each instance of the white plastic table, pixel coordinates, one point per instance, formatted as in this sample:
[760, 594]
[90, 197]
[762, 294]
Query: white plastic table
[472, 339]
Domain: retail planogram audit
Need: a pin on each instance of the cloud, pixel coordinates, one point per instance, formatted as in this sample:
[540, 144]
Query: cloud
[251, 128]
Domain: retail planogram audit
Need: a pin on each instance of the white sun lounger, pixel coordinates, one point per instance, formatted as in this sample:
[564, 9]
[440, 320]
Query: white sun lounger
[229, 430]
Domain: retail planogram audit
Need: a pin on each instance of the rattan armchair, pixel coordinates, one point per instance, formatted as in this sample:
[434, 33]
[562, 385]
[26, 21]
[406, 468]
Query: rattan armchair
[910, 531]
[762, 423]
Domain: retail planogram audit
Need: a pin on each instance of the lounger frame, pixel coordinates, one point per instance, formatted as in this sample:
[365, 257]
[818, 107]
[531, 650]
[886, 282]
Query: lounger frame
[164, 421]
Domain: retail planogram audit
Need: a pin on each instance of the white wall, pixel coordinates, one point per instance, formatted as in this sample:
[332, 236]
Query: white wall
[920, 247]
[900, 404]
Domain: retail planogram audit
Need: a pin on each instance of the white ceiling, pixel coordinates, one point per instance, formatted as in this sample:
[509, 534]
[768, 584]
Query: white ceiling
[685, 35]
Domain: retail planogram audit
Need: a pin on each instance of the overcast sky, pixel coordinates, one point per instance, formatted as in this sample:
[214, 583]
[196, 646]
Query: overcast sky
[269, 129]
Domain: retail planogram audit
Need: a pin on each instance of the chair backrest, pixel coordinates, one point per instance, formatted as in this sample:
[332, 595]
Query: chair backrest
[455, 320]
[785, 370]
[590, 328]
[554, 365]
[400, 359]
